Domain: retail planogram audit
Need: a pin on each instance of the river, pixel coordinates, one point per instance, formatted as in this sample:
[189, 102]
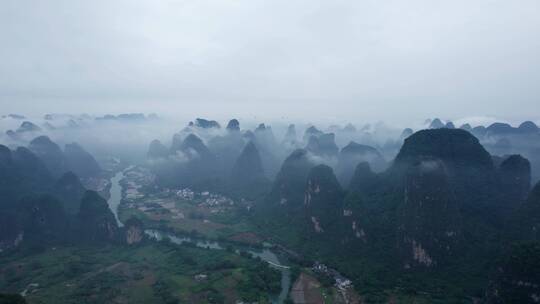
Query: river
[116, 195]
[265, 254]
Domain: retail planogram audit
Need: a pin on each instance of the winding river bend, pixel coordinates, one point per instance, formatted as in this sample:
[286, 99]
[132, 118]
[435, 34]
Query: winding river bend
[265, 254]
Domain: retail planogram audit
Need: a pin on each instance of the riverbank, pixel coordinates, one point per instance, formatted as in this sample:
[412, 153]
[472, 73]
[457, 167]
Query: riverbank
[149, 272]
[265, 254]
[171, 208]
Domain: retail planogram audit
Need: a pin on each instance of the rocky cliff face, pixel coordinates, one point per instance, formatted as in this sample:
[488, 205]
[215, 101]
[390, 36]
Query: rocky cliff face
[36, 220]
[134, 231]
[323, 200]
[470, 169]
[70, 191]
[518, 276]
[436, 207]
[11, 232]
[26, 214]
[288, 186]
[450, 188]
[429, 225]
[37, 210]
[97, 222]
[42, 219]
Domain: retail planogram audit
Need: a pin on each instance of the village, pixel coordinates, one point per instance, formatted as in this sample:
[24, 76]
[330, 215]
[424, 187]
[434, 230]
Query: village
[185, 207]
[141, 193]
[341, 282]
[321, 284]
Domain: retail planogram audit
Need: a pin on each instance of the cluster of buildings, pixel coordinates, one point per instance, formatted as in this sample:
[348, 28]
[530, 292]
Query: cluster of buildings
[137, 178]
[341, 282]
[204, 198]
[185, 194]
[200, 277]
[210, 199]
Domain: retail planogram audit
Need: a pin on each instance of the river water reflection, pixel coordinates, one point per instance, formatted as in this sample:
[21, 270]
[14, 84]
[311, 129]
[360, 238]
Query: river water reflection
[266, 254]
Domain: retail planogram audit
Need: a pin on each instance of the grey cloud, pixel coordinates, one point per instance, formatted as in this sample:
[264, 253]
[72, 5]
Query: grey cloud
[340, 60]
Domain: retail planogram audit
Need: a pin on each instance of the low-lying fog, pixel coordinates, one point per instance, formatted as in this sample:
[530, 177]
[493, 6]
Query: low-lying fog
[128, 136]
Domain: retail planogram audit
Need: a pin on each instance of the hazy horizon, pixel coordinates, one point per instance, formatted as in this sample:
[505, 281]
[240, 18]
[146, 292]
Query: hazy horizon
[336, 61]
[371, 160]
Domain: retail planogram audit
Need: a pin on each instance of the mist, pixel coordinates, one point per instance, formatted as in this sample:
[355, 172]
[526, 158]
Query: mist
[256, 151]
[309, 61]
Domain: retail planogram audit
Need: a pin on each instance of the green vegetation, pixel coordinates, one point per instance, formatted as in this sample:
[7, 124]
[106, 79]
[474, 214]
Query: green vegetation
[227, 224]
[517, 277]
[148, 273]
[11, 299]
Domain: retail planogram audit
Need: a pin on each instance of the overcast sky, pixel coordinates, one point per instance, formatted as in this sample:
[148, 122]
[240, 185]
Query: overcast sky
[345, 60]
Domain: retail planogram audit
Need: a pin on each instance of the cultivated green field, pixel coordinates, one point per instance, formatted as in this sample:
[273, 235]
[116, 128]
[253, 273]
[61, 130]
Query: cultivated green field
[149, 273]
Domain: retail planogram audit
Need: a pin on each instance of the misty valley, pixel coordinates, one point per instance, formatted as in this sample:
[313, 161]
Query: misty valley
[136, 208]
[269, 152]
